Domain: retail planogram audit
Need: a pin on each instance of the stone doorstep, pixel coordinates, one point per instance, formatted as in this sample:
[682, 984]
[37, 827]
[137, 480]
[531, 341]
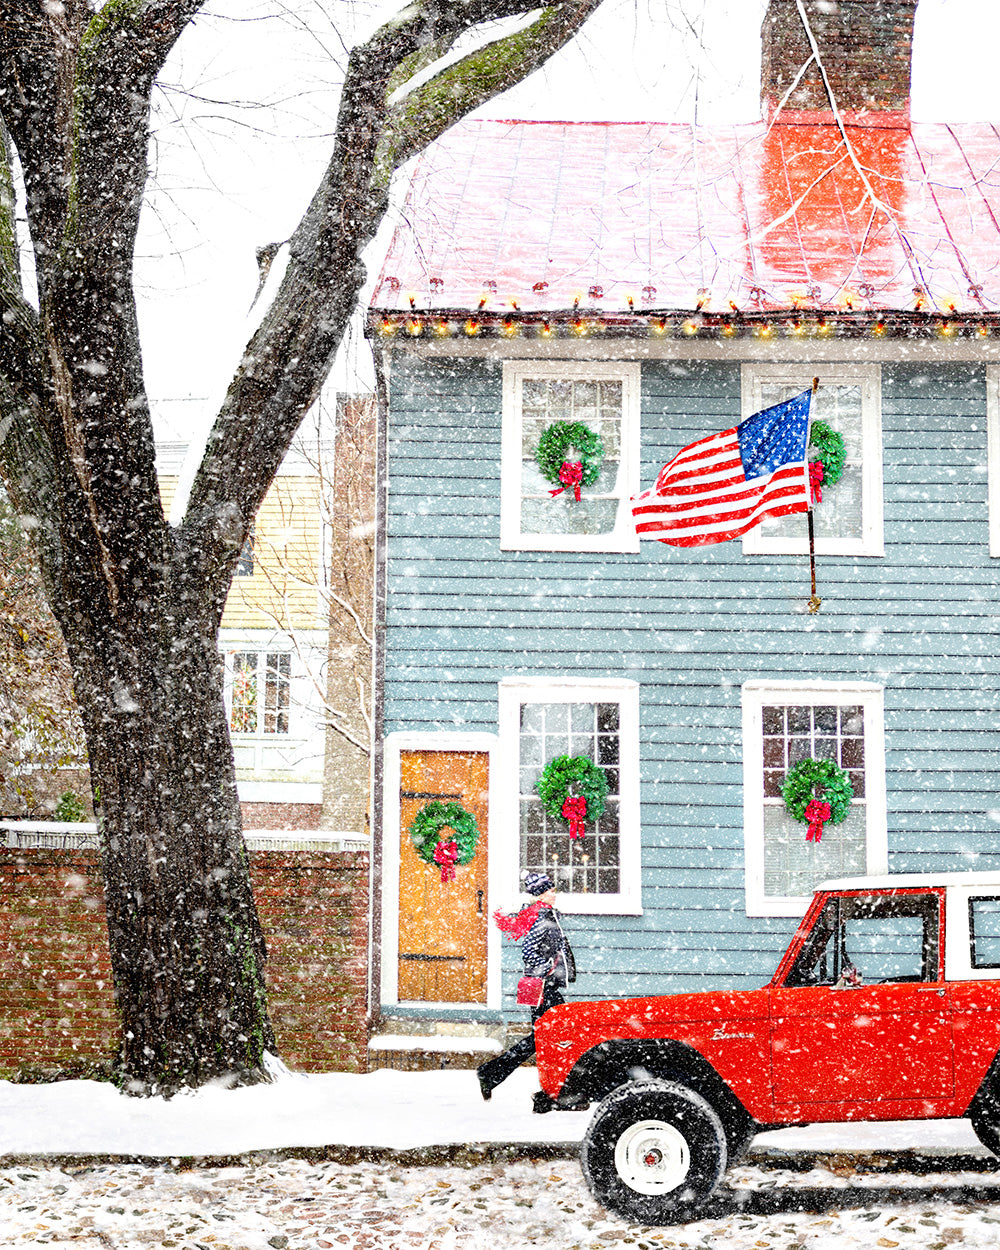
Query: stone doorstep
[422, 1045]
[426, 1043]
[429, 1027]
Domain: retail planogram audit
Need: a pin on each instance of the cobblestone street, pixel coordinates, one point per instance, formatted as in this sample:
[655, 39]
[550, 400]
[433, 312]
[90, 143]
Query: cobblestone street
[295, 1205]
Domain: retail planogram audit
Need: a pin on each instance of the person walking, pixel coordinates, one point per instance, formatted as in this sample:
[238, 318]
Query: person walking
[547, 955]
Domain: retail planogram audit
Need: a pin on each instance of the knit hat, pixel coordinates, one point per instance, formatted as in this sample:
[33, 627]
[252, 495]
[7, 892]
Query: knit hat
[536, 883]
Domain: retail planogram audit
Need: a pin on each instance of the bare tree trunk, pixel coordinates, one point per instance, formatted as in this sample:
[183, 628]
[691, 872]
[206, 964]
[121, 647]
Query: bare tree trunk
[139, 603]
[187, 949]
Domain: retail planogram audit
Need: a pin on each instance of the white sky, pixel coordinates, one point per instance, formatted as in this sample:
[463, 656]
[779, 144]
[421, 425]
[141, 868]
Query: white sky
[243, 128]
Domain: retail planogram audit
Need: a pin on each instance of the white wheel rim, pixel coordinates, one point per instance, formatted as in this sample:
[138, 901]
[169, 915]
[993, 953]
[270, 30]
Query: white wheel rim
[652, 1157]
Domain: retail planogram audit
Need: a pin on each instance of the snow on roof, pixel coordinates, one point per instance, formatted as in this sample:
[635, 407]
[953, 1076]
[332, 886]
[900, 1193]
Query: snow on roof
[540, 216]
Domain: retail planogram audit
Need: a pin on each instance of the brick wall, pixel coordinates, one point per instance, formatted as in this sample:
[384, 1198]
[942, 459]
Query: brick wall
[55, 984]
[280, 816]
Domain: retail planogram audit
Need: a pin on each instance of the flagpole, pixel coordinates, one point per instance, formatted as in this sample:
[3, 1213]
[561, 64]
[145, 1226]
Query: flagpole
[815, 601]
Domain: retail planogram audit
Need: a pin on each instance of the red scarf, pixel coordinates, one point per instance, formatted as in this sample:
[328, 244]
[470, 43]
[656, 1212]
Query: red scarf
[517, 926]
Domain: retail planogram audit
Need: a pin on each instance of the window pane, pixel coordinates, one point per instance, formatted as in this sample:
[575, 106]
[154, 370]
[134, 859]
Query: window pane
[887, 949]
[774, 753]
[825, 719]
[277, 692]
[243, 716]
[587, 865]
[598, 406]
[793, 866]
[565, 516]
[984, 916]
[825, 749]
[581, 717]
[774, 720]
[852, 753]
[774, 779]
[607, 749]
[852, 720]
[556, 717]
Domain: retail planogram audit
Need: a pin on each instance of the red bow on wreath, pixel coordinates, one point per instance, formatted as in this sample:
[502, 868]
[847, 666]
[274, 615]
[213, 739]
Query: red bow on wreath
[445, 854]
[817, 812]
[816, 477]
[574, 809]
[571, 474]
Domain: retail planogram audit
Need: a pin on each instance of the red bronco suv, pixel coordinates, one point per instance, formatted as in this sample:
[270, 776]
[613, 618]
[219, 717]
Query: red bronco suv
[886, 1006]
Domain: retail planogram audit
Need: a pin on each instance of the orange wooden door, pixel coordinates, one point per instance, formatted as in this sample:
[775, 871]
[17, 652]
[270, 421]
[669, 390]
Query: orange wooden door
[443, 924]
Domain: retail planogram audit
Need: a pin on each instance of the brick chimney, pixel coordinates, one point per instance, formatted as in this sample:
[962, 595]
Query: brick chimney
[865, 46]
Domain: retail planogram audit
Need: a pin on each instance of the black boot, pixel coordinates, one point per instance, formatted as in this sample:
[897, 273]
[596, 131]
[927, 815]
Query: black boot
[484, 1086]
[541, 1102]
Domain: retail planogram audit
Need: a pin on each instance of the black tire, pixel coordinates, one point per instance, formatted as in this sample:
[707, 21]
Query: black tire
[740, 1132]
[655, 1152]
[984, 1113]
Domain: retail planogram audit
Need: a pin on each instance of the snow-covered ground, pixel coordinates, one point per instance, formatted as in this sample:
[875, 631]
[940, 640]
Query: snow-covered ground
[384, 1109]
[165, 1199]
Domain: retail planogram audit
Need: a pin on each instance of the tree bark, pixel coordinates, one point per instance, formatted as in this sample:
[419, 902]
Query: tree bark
[139, 603]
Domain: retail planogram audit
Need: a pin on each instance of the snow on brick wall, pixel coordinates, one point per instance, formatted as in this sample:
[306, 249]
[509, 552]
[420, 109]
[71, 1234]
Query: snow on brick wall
[55, 983]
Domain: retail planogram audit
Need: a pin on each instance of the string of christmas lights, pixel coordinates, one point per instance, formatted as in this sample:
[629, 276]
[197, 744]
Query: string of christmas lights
[574, 323]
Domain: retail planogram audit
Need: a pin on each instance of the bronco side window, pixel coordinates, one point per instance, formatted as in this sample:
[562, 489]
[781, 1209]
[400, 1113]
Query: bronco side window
[865, 940]
[984, 932]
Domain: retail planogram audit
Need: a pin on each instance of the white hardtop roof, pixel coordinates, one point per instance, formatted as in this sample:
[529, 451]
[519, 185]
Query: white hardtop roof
[904, 880]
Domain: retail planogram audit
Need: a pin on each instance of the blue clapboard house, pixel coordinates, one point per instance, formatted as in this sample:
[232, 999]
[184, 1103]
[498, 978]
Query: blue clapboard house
[657, 284]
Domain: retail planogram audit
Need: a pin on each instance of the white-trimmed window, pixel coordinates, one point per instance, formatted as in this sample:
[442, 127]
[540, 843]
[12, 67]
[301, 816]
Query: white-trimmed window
[604, 397]
[784, 723]
[541, 719]
[993, 453]
[848, 520]
[259, 688]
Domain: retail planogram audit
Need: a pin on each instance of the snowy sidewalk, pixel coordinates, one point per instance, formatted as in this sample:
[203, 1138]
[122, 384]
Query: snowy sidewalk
[382, 1111]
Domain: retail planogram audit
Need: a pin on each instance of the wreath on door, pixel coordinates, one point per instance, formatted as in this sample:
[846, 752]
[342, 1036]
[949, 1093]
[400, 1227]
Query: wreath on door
[817, 791]
[428, 835]
[573, 788]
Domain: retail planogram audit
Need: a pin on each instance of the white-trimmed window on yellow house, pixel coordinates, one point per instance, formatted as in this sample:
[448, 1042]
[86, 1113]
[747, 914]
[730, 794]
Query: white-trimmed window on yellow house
[848, 517]
[260, 693]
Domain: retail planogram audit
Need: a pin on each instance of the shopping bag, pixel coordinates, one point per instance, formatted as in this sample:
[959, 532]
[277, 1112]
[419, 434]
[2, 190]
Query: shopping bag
[529, 991]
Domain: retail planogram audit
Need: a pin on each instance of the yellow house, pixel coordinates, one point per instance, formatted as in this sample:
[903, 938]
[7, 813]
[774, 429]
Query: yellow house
[273, 641]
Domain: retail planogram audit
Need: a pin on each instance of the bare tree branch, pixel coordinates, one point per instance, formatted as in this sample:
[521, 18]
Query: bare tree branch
[288, 358]
[423, 115]
[874, 198]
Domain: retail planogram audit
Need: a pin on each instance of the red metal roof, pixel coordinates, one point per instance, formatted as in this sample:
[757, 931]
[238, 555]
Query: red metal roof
[540, 215]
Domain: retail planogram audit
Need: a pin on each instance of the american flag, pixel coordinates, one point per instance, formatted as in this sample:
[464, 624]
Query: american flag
[721, 486]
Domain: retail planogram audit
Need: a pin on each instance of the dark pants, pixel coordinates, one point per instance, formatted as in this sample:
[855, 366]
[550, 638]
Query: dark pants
[499, 1069]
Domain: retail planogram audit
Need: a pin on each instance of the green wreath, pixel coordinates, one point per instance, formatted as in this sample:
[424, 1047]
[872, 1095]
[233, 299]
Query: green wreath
[567, 780]
[555, 444]
[429, 824]
[809, 775]
[832, 452]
